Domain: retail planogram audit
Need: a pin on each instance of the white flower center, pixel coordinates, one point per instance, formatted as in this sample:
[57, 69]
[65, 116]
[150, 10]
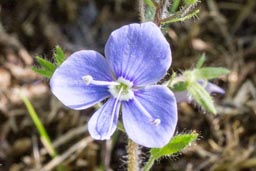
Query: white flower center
[122, 91]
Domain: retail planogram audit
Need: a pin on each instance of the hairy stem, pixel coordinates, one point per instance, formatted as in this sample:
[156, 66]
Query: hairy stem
[141, 10]
[159, 11]
[149, 164]
[133, 156]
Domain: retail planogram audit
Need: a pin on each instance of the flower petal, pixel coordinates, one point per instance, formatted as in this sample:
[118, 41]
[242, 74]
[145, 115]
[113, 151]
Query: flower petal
[139, 53]
[67, 83]
[182, 96]
[155, 131]
[103, 122]
[212, 88]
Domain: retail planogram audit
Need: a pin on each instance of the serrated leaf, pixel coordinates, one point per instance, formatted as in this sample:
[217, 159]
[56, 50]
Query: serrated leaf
[175, 5]
[176, 144]
[59, 55]
[42, 72]
[201, 96]
[45, 64]
[180, 86]
[201, 61]
[209, 72]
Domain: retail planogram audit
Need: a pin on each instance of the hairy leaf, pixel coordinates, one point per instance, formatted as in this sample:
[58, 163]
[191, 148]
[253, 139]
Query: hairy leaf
[176, 144]
[201, 96]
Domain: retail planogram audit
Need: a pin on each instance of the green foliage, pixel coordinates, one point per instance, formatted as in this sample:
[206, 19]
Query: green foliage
[59, 55]
[207, 73]
[180, 18]
[201, 61]
[175, 5]
[150, 13]
[47, 68]
[176, 144]
[42, 131]
[190, 2]
[149, 3]
[43, 72]
[201, 96]
[180, 86]
[190, 83]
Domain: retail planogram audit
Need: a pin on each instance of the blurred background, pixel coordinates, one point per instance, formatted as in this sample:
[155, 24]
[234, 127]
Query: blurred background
[225, 30]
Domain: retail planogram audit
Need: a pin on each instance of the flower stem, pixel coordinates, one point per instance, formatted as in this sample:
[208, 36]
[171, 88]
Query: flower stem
[159, 11]
[133, 156]
[149, 164]
[141, 10]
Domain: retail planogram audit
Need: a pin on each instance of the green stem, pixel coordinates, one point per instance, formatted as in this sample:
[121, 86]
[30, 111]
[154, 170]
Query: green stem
[172, 20]
[133, 156]
[42, 131]
[149, 164]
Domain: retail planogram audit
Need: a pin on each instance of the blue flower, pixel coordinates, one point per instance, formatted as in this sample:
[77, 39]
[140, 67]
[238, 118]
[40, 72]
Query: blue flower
[137, 57]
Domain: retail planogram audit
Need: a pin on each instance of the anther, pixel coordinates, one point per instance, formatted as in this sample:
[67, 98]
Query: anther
[152, 119]
[156, 122]
[87, 79]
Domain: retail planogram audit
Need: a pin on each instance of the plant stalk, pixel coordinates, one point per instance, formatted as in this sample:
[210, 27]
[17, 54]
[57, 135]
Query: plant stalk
[149, 164]
[141, 10]
[133, 156]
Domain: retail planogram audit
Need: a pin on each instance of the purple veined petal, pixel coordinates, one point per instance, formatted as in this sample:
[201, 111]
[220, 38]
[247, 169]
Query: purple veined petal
[139, 53]
[212, 88]
[184, 96]
[150, 118]
[67, 83]
[103, 122]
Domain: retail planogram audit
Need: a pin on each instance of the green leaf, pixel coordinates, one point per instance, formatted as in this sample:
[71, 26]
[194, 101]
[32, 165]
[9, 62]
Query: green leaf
[169, 20]
[175, 6]
[149, 3]
[180, 86]
[45, 64]
[47, 68]
[59, 55]
[176, 144]
[190, 2]
[209, 72]
[40, 127]
[150, 13]
[201, 61]
[43, 72]
[201, 96]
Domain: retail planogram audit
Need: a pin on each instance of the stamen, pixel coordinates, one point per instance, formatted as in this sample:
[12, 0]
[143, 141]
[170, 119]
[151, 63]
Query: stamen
[123, 91]
[154, 121]
[114, 109]
[88, 79]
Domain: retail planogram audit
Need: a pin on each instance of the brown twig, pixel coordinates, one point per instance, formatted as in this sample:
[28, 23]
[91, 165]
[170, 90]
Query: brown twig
[76, 147]
[160, 11]
[141, 10]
